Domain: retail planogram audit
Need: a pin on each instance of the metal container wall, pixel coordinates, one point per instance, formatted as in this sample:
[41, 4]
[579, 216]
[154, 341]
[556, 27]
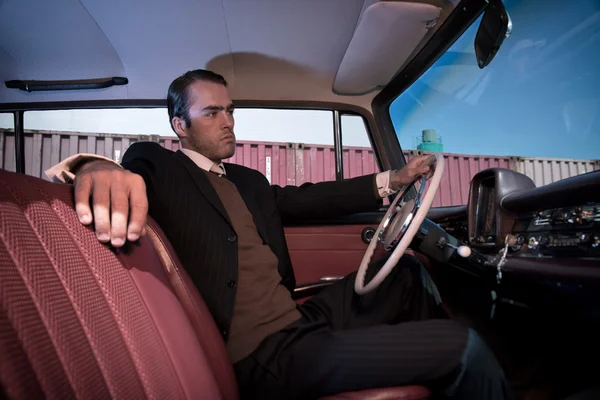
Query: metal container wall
[548, 170]
[454, 187]
[459, 169]
[286, 163]
[274, 160]
[44, 149]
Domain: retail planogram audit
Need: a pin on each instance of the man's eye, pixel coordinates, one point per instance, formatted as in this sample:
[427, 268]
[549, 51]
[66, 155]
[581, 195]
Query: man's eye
[211, 114]
[230, 112]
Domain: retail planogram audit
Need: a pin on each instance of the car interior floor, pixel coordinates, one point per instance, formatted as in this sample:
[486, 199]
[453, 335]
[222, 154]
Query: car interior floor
[547, 353]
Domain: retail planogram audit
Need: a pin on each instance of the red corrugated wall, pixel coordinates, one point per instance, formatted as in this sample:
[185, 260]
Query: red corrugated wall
[294, 164]
[459, 170]
[283, 163]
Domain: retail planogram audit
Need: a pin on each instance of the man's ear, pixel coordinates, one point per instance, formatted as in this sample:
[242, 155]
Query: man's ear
[179, 126]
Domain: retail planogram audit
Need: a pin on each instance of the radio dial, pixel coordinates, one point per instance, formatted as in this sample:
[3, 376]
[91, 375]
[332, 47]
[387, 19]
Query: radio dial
[533, 243]
[517, 244]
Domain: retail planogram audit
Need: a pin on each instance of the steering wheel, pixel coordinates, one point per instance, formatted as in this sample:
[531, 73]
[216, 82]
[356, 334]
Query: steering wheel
[400, 224]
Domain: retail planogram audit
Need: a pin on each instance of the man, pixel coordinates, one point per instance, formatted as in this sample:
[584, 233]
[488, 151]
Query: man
[226, 224]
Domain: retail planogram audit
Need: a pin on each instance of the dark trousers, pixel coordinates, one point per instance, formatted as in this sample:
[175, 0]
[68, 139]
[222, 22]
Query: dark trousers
[394, 336]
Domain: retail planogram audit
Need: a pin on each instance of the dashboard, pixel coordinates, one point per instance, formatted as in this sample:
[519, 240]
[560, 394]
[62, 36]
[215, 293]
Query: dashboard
[552, 229]
[559, 232]
[535, 247]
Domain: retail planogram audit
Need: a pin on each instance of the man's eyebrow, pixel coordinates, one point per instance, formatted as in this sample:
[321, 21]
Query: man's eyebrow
[214, 107]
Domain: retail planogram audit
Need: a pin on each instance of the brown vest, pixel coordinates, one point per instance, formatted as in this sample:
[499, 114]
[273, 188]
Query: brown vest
[262, 305]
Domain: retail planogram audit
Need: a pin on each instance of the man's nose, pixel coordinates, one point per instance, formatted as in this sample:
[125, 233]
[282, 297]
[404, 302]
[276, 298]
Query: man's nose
[227, 120]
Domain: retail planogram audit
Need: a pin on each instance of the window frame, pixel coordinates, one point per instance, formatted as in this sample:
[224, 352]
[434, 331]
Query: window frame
[18, 156]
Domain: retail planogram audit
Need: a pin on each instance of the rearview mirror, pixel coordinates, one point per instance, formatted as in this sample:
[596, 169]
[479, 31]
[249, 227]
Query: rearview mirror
[495, 26]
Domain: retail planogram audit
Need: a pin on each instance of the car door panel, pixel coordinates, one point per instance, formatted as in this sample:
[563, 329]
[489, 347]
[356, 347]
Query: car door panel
[326, 251]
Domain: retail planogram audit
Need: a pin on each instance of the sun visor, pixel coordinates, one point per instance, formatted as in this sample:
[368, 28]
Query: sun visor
[386, 35]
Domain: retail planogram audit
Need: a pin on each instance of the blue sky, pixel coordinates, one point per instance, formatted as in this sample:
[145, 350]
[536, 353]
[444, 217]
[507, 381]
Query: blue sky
[539, 97]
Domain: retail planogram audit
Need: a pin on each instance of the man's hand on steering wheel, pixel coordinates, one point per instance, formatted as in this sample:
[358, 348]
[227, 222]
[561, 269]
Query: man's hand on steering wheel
[415, 167]
[400, 223]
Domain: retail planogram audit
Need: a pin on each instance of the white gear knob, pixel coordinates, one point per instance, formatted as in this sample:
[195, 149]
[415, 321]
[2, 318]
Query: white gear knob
[464, 251]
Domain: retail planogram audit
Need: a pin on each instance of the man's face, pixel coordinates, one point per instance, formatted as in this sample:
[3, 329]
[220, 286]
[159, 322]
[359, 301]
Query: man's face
[211, 115]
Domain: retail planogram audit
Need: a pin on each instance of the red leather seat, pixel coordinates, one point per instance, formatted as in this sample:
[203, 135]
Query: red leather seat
[78, 319]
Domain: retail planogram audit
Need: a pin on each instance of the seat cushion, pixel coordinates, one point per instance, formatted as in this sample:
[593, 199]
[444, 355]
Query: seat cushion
[412, 392]
[79, 320]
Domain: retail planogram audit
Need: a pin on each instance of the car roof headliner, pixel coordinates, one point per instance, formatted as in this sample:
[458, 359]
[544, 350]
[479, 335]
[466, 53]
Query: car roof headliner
[340, 51]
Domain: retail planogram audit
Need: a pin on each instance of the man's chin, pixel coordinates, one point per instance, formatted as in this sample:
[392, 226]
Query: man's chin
[229, 152]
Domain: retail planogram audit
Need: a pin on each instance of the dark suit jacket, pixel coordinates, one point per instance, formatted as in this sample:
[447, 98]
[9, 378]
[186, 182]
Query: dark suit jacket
[186, 206]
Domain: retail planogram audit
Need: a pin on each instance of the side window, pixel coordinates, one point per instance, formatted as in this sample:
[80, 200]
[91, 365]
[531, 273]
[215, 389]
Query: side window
[52, 136]
[290, 147]
[7, 142]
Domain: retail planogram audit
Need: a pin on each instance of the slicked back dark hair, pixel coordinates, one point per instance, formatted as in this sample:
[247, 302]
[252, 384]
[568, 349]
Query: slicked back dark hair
[178, 96]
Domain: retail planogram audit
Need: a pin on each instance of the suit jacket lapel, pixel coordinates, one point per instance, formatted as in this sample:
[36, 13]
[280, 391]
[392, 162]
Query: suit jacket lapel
[203, 184]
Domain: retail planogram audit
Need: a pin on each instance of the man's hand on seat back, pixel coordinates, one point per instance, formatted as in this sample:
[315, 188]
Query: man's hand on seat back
[118, 200]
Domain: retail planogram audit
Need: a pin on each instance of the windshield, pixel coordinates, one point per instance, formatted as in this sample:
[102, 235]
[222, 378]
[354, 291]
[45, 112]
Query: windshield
[538, 98]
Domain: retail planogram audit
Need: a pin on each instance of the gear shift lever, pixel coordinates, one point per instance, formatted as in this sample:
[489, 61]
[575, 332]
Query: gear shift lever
[463, 251]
